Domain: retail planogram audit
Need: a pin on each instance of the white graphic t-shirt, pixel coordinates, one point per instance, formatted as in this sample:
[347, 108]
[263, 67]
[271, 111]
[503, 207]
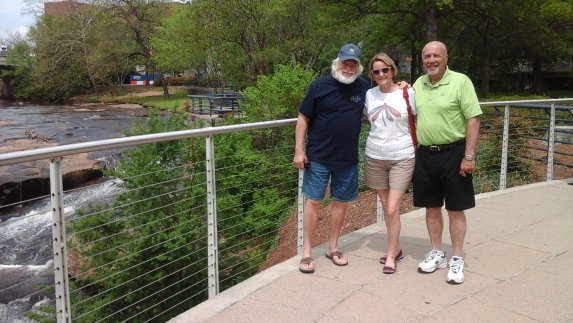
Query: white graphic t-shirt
[389, 137]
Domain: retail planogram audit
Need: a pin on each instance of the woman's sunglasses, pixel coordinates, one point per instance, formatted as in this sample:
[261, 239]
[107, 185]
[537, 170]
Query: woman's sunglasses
[382, 70]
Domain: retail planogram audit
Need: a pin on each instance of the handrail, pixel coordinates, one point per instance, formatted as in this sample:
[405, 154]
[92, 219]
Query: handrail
[71, 149]
[64, 150]
[496, 103]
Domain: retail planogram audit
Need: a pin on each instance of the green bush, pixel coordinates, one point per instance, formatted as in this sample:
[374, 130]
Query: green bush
[277, 96]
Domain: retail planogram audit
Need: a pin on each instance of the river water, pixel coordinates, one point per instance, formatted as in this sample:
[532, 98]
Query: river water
[25, 233]
[65, 124]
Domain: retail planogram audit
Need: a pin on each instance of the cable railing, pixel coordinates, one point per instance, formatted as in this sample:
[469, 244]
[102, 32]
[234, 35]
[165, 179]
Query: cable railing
[187, 214]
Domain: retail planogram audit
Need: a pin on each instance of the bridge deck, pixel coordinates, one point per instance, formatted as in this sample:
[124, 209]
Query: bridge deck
[519, 268]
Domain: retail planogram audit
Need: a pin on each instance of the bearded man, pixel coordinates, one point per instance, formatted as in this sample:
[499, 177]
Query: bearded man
[330, 117]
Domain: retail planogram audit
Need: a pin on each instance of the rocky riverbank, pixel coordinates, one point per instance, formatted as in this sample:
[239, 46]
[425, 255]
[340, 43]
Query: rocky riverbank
[26, 127]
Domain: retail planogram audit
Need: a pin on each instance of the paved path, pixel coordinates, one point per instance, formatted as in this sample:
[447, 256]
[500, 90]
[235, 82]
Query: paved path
[519, 268]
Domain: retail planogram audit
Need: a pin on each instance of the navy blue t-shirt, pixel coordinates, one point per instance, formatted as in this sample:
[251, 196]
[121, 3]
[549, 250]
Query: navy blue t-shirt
[334, 110]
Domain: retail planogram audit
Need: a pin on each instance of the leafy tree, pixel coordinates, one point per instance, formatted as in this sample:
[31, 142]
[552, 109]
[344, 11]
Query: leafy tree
[138, 20]
[20, 56]
[237, 41]
[182, 42]
[176, 46]
[60, 70]
[277, 96]
[498, 37]
[94, 44]
[545, 37]
[75, 51]
[401, 26]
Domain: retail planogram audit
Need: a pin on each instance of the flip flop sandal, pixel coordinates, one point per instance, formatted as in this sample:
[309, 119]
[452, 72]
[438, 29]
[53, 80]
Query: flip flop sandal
[304, 269]
[399, 256]
[336, 254]
[389, 270]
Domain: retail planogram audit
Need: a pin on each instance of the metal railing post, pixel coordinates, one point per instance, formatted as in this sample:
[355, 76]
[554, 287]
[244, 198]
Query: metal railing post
[504, 150]
[300, 213]
[212, 243]
[62, 289]
[551, 144]
[379, 210]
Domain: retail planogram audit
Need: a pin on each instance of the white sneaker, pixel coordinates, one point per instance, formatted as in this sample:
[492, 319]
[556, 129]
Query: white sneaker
[434, 259]
[456, 272]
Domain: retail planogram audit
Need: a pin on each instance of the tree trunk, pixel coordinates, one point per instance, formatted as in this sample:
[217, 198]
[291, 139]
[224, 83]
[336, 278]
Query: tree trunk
[431, 21]
[485, 61]
[414, 63]
[537, 75]
[94, 84]
[164, 85]
[485, 75]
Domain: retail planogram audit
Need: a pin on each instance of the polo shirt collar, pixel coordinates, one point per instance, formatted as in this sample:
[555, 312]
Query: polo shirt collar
[445, 79]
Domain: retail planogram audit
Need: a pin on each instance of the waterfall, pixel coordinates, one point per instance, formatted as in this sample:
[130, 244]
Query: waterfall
[26, 247]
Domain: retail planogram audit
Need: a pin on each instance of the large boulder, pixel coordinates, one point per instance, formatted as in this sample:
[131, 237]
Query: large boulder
[25, 181]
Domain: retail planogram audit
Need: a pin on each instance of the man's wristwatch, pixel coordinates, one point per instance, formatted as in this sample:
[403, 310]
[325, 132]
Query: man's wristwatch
[469, 157]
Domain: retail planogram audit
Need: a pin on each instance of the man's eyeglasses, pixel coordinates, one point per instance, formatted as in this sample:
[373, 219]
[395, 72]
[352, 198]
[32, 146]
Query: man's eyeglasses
[382, 70]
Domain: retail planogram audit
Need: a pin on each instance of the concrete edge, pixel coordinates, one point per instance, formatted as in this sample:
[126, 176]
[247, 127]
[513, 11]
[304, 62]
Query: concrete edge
[521, 188]
[210, 307]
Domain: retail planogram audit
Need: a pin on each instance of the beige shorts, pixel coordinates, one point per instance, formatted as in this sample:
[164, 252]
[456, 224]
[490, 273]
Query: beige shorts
[388, 174]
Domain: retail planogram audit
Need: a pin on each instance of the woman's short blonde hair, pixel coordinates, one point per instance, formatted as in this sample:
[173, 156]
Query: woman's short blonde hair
[384, 58]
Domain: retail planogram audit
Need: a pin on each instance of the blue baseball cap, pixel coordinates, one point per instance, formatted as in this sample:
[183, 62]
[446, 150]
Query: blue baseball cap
[349, 51]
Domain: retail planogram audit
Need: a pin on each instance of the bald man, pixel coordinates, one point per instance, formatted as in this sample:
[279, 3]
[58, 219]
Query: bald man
[447, 130]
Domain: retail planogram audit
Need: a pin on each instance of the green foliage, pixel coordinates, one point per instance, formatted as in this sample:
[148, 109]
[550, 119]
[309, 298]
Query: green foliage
[20, 55]
[72, 54]
[277, 96]
[146, 246]
[237, 41]
[489, 158]
[176, 43]
[149, 247]
[86, 49]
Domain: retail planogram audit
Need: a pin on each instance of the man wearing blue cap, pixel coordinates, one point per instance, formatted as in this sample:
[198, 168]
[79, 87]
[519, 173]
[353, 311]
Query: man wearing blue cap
[330, 117]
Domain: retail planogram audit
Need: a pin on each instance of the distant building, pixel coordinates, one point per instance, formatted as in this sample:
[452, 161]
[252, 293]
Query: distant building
[56, 8]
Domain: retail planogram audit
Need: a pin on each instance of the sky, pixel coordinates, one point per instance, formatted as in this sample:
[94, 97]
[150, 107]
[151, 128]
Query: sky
[12, 19]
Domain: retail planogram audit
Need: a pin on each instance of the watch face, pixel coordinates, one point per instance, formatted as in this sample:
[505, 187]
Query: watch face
[469, 157]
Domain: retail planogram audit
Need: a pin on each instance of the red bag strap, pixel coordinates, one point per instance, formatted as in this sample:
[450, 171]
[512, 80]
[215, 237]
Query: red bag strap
[410, 117]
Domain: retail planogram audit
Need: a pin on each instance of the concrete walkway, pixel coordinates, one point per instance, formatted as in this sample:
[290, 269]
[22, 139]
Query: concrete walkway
[519, 268]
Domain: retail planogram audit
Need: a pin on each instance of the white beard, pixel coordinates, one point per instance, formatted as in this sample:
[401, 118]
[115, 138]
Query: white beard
[344, 79]
[433, 71]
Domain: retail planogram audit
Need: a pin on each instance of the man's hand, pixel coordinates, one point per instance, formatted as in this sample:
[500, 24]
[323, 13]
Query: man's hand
[403, 84]
[300, 161]
[467, 167]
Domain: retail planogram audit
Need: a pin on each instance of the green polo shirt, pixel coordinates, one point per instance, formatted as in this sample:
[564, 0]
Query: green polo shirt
[444, 108]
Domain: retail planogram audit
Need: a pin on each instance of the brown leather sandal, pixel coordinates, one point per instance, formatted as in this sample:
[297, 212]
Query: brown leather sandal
[339, 255]
[304, 269]
[399, 256]
[389, 269]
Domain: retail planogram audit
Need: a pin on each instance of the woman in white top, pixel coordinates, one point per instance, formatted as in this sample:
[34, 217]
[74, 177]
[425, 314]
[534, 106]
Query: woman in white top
[389, 160]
